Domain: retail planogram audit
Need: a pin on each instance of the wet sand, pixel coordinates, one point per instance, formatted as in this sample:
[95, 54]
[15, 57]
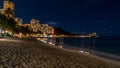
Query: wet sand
[34, 54]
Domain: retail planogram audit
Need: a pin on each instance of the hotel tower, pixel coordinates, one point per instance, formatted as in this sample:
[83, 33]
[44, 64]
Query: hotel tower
[8, 9]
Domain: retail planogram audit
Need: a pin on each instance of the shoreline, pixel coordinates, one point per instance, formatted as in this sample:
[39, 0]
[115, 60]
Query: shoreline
[51, 54]
[111, 57]
[101, 55]
[92, 56]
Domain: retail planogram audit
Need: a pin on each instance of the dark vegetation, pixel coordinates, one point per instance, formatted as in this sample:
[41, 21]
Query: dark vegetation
[59, 31]
[11, 25]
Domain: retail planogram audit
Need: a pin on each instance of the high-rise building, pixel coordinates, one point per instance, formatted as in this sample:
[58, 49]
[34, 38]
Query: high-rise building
[94, 34]
[8, 9]
[50, 30]
[44, 28]
[19, 21]
[35, 25]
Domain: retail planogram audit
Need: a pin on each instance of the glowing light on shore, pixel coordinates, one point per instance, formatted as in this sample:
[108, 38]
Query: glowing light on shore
[3, 39]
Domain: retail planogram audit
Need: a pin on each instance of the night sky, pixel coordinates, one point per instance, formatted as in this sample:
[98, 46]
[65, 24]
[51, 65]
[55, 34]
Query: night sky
[81, 16]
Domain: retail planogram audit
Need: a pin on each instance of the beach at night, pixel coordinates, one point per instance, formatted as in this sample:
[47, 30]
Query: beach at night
[59, 34]
[31, 53]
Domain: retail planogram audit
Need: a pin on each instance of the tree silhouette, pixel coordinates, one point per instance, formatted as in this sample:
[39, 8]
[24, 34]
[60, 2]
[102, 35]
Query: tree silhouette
[9, 12]
[7, 23]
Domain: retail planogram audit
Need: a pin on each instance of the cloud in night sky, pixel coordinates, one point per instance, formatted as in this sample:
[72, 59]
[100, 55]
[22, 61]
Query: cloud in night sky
[53, 23]
[102, 16]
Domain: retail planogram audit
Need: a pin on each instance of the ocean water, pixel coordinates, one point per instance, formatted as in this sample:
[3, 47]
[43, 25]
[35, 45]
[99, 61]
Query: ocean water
[109, 45]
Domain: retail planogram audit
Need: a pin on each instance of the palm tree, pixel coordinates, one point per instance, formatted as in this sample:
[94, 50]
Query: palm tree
[7, 23]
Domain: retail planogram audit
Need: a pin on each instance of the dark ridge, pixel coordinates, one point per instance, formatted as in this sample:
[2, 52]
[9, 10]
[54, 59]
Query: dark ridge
[59, 31]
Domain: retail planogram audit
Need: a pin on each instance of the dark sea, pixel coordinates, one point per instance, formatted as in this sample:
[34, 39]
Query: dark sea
[109, 45]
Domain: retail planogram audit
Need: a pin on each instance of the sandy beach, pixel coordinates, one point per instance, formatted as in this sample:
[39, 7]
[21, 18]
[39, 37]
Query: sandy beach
[31, 53]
